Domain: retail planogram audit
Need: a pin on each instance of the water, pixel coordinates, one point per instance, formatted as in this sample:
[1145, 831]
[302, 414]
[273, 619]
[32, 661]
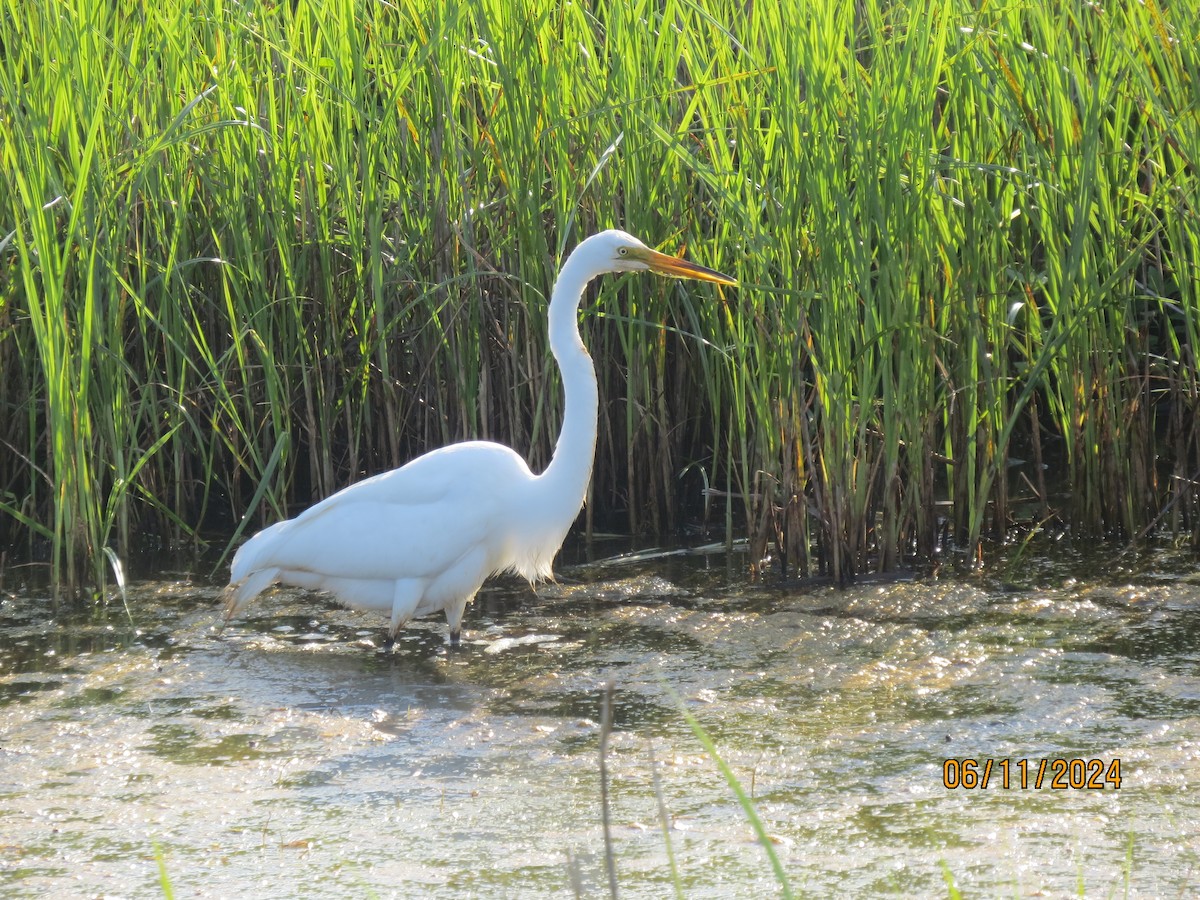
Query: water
[288, 756]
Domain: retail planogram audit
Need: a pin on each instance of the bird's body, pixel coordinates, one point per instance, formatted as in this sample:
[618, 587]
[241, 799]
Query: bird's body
[424, 537]
[410, 512]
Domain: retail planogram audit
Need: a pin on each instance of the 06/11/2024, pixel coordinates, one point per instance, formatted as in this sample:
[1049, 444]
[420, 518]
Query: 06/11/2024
[1060, 774]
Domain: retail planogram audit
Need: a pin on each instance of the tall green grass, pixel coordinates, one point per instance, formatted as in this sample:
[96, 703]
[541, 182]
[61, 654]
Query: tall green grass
[252, 252]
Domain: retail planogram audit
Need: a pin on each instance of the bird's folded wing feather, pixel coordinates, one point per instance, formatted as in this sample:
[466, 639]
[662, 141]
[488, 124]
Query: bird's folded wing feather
[373, 540]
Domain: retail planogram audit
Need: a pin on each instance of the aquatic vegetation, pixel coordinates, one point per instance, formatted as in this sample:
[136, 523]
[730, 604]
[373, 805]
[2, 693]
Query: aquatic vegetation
[247, 251]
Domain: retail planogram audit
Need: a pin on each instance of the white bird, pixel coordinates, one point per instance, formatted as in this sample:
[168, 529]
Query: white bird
[424, 537]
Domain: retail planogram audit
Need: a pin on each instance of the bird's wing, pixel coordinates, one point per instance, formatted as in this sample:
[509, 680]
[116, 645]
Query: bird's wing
[374, 539]
[411, 522]
[480, 467]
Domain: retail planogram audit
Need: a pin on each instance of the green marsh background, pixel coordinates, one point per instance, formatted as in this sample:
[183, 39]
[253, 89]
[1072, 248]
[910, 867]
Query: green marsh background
[251, 252]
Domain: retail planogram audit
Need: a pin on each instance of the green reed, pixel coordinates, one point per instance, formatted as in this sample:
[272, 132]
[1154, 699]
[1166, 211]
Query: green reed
[251, 252]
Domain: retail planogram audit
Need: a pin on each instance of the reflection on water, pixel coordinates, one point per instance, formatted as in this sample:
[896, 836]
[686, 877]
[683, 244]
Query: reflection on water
[289, 756]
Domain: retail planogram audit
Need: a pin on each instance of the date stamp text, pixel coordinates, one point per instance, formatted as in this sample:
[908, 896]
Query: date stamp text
[1059, 774]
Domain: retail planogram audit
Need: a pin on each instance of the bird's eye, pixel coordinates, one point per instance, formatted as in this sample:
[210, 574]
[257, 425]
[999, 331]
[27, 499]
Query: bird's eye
[623, 250]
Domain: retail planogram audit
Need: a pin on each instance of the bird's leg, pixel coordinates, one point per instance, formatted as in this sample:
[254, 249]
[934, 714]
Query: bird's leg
[454, 617]
[405, 597]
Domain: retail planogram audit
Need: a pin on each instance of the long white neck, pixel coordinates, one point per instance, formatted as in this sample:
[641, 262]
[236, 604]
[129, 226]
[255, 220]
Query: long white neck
[566, 478]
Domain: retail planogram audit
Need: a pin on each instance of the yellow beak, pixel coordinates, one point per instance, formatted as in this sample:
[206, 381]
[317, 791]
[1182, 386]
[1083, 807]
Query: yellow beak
[681, 268]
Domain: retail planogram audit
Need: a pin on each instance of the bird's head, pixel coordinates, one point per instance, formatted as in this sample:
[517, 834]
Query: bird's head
[625, 253]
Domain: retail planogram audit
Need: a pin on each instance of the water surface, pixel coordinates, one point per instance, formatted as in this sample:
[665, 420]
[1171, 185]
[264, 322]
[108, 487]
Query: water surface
[290, 755]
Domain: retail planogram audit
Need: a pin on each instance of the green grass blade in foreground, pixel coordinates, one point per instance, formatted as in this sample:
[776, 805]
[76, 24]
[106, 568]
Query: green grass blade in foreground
[606, 718]
[951, 888]
[760, 830]
[664, 822]
[164, 878]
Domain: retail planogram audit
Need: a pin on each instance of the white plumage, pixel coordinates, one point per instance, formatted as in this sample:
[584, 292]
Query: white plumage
[424, 537]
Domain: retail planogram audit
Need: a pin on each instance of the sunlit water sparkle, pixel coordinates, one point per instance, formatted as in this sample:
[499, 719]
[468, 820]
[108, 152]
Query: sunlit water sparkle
[286, 756]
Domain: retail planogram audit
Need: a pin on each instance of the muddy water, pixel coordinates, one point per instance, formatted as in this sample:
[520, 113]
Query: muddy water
[289, 756]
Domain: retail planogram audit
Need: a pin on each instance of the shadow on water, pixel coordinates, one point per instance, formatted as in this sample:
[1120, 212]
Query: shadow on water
[290, 754]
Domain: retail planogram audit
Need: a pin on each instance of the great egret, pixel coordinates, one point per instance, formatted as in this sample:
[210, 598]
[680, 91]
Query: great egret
[424, 537]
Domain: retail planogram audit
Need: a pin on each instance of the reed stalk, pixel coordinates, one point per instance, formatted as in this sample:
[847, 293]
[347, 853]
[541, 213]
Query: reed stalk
[251, 253]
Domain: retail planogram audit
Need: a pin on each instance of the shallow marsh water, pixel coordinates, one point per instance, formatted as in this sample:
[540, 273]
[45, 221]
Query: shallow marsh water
[287, 756]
